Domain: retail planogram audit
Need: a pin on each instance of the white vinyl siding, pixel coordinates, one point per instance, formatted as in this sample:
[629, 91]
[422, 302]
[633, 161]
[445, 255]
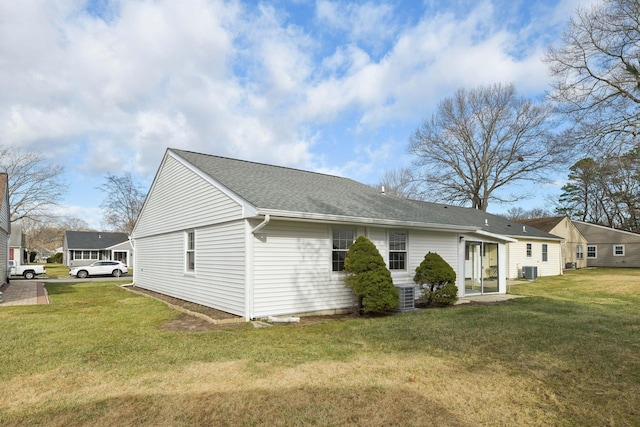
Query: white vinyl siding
[292, 270]
[422, 242]
[219, 281]
[181, 199]
[517, 258]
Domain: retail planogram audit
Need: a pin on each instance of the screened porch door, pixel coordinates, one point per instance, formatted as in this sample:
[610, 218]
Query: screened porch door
[481, 268]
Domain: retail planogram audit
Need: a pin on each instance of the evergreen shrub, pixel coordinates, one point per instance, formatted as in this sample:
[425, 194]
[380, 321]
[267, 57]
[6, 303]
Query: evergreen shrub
[437, 281]
[369, 278]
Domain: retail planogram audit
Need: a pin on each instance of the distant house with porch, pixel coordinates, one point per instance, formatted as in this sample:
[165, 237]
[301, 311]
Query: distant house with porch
[575, 243]
[610, 247]
[85, 247]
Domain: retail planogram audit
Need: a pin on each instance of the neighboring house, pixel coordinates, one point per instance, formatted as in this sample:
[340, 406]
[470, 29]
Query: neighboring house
[258, 240]
[5, 226]
[85, 247]
[17, 250]
[574, 247]
[608, 247]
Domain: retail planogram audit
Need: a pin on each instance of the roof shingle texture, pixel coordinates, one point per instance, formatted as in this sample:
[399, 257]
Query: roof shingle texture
[94, 239]
[271, 187]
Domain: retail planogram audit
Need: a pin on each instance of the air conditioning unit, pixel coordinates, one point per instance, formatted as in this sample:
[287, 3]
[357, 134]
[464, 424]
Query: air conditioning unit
[570, 266]
[530, 273]
[407, 300]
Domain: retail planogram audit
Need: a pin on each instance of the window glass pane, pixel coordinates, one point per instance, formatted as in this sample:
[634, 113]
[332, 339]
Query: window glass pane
[545, 252]
[397, 241]
[191, 253]
[529, 251]
[341, 241]
[338, 260]
[191, 261]
[397, 250]
[397, 260]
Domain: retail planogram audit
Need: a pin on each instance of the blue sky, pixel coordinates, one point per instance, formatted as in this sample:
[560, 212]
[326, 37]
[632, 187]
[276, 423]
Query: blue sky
[337, 87]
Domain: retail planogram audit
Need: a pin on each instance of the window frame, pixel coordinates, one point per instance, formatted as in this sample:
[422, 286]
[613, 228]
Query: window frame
[394, 264]
[190, 251]
[579, 252]
[340, 251]
[616, 247]
[595, 251]
[529, 249]
[545, 252]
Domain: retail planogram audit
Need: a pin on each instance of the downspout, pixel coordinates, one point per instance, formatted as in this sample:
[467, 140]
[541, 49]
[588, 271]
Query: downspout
[249, 234]
[260, 226]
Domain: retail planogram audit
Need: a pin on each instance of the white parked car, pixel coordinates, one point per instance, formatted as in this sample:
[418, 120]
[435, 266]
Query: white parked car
[99, 268]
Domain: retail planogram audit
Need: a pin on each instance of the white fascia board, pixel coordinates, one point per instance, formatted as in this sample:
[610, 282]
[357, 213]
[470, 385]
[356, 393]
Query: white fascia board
[248, 210]
[496, 236]
[306, 216]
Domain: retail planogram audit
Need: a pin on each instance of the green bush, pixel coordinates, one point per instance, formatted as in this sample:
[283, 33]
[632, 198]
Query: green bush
[369, 277]
[56, 258]
[437, 280]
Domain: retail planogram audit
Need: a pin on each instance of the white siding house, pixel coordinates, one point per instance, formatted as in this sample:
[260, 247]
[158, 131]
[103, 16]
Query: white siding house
[257, 240]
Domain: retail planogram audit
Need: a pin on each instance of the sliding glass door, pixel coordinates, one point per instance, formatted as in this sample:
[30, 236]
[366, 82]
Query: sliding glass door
[481, 268]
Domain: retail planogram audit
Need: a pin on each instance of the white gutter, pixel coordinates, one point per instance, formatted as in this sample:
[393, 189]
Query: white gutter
[305, 216]
[260, 226]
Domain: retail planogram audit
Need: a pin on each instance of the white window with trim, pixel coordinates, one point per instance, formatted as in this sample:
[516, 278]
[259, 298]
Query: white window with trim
[529, 250]
[190, 251]
[592, 251]
[397, 250]
[618, 250]
[545, 252]
[341, 240]
[579, 252]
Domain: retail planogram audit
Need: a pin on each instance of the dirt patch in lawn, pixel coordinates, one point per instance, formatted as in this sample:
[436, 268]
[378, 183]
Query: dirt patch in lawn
[198, 318]
[193, 317]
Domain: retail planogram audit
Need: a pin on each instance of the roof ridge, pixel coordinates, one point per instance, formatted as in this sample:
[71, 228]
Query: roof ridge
[265, 164]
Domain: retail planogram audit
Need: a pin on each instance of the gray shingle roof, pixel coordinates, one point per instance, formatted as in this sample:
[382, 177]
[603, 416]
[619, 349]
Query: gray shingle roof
[94, 239]
[269, 187]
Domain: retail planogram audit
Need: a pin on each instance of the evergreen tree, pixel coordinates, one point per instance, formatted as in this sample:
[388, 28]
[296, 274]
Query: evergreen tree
[369, 277]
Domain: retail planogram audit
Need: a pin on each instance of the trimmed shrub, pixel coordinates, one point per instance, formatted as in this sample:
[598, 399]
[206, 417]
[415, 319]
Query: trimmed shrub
[437, 280]
[369, 277]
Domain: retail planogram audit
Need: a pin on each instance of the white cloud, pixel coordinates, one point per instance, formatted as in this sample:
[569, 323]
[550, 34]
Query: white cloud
[223, 78]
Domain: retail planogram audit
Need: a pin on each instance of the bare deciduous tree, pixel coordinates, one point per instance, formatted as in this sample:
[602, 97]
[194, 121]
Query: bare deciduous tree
[596, 73]
[123, 202]
[35, 184]
[480, 140]
[400, 183]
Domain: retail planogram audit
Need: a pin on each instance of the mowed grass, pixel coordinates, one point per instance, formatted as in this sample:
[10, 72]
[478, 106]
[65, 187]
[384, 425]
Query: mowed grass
[98, 355]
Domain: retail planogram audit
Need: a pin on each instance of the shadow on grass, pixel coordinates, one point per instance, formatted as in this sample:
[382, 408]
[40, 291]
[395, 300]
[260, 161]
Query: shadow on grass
[372, 406]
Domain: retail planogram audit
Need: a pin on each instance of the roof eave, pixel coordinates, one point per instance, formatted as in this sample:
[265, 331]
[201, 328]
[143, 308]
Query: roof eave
[341, 219]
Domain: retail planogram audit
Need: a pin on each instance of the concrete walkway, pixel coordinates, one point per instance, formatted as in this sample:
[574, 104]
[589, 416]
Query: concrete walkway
[487, 298]
[24, 293]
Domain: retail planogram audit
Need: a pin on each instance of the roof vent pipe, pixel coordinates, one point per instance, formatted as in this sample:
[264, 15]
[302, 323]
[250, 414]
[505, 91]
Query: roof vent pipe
[382, 190]
[524, 228]
[486, 222]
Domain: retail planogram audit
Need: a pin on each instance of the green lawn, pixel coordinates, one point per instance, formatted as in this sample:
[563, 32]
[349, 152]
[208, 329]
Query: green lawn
[99, 355]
